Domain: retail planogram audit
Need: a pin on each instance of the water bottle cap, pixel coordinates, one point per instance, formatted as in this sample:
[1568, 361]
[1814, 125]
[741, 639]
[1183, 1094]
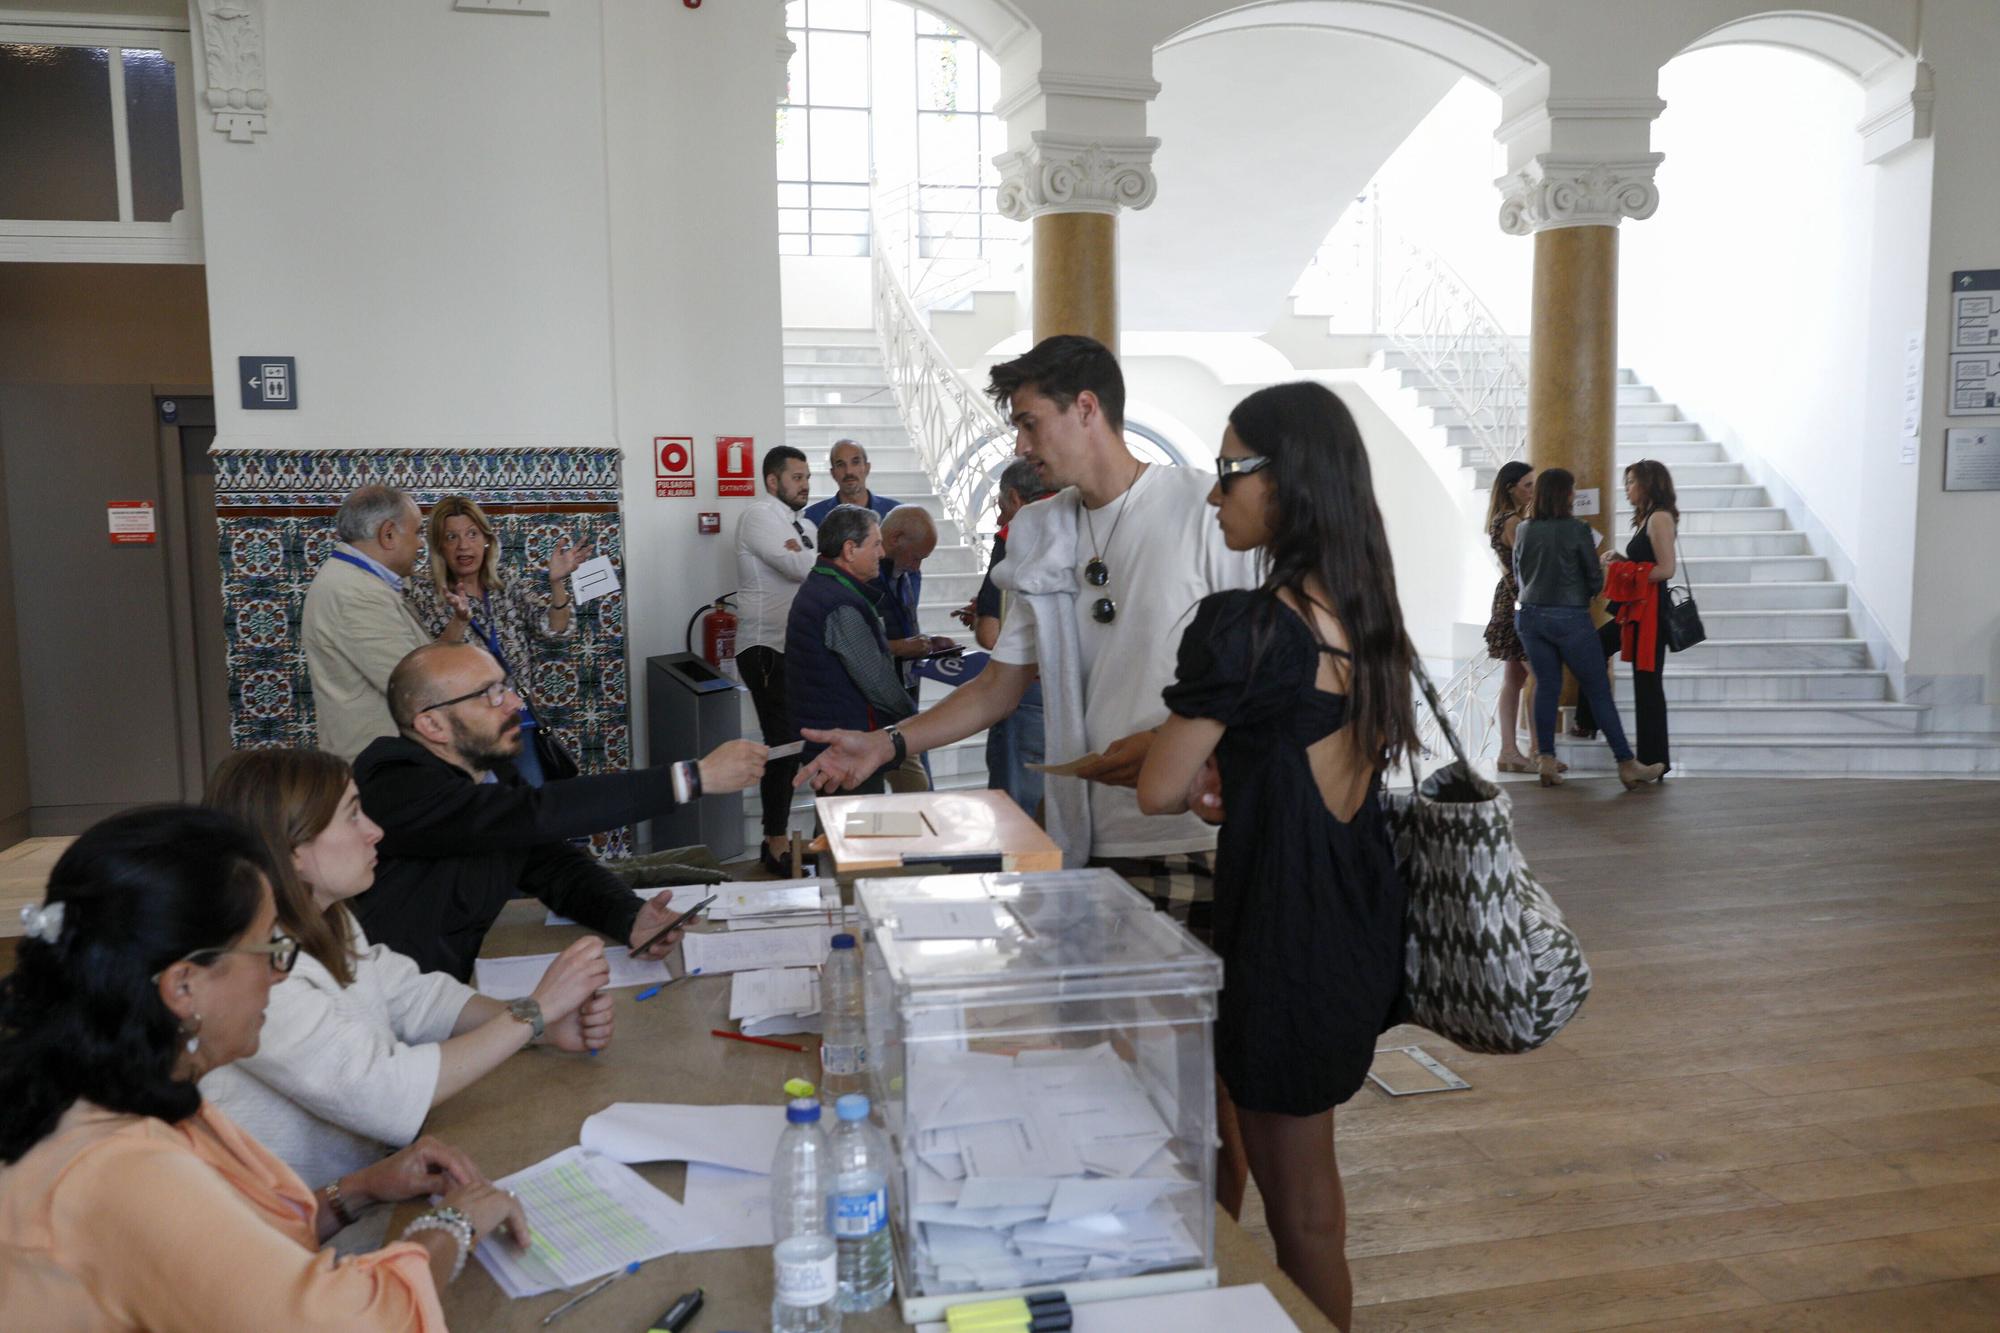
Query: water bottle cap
[804, 1111]
[854, 1106]
[843, 941]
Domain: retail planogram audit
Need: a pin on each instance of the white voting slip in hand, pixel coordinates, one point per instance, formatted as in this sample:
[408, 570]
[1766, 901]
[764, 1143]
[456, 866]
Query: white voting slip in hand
[516, 978]
[744, 1138]
[594, 578]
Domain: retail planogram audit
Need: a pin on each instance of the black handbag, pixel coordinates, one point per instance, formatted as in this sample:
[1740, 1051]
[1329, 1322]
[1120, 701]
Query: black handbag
[557, 762]
[1683, 618]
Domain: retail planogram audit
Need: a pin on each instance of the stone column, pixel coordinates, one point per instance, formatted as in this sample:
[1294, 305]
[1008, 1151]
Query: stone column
[1072, 190]
[1572, 208]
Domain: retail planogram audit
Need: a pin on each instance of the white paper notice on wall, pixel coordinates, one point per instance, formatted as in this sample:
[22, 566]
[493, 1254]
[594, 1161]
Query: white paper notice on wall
[594, 578]
[132, 522]
[1913, 395]
[1586, 502]
[1972, 459]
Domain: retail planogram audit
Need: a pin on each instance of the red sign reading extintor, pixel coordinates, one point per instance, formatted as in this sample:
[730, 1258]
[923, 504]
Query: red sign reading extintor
[673, 467]
[734, 467]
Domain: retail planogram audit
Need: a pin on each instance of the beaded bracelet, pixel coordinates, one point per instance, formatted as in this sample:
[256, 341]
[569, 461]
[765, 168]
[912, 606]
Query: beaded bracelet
[455, 1224]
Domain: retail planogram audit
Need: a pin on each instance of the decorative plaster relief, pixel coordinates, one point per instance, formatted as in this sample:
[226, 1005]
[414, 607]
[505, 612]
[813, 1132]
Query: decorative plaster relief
[1573, 192]
[1059, 174]
[232, 39]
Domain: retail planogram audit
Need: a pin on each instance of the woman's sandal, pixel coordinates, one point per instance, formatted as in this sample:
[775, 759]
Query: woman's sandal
[1534, 759]
[1514, 765]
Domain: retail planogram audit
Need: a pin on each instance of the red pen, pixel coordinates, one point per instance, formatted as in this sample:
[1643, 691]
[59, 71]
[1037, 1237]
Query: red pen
[756, 1041]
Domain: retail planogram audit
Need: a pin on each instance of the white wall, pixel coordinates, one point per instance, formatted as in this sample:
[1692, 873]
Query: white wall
[423, 226]
[1265, 137]
[1956, 619]
[827, 292]
[1770, 294]
[497, 230]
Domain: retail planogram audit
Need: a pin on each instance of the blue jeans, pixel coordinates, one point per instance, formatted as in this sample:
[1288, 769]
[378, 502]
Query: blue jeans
[1558, 636]
[1012, 744]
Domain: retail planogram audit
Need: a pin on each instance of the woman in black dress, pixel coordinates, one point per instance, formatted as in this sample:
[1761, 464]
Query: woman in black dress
[1290, 702]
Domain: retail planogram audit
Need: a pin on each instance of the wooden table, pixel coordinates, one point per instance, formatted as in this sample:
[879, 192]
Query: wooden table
[972, 826]
[534, 1105]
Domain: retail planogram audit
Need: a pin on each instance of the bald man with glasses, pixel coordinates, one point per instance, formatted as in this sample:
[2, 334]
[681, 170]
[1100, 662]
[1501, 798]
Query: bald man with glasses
[462, 834]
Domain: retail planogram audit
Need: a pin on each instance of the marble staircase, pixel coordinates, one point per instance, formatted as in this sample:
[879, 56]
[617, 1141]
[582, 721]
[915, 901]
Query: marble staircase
[836, 388]
[1784, 683]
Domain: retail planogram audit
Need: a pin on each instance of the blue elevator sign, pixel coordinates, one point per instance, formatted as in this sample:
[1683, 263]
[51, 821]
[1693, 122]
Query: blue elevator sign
[269, 383]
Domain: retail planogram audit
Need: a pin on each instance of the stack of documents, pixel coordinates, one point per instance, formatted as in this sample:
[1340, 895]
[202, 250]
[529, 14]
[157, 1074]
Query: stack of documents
[711, 951]
[774, 1000]
[588, 1216]
[1048, 1166]
[785, 903]
[728, 1149]
[516, 978]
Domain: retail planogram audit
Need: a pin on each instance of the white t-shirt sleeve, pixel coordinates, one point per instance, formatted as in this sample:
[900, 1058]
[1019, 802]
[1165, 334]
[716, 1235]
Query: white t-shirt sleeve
[763, 534]
[1016, 645]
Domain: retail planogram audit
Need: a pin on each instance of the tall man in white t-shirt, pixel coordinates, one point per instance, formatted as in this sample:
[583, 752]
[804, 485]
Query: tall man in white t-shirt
[1124, 550]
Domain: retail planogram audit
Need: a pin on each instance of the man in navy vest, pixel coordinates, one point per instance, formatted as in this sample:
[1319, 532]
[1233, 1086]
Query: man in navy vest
[839, 672]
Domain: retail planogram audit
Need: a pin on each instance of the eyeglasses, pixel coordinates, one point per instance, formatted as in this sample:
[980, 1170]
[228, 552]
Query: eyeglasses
[282, 950]
[1225, 468]
[495, 694]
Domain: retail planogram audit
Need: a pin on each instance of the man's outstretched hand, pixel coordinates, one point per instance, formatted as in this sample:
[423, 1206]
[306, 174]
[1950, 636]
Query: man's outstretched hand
[847, 761]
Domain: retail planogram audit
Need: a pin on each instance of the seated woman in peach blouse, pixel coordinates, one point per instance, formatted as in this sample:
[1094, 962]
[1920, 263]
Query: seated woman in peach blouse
[127, 1203]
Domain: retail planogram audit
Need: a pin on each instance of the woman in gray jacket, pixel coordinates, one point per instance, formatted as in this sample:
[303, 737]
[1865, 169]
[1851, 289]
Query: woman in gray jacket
[1556, 566]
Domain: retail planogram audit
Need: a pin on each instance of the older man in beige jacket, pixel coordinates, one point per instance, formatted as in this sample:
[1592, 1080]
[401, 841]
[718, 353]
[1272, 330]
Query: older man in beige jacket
[356, 625]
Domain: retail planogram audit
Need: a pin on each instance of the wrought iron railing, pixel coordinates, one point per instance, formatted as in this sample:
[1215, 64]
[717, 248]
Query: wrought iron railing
[1457, 345]
[959, 436]
[1471, 701]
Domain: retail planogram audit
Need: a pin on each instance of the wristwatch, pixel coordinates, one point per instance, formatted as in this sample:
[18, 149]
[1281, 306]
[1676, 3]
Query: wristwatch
[896, 738]
[529, 1012]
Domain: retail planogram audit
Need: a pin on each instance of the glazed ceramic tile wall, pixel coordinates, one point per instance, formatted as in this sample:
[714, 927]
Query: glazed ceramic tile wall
[275, 514]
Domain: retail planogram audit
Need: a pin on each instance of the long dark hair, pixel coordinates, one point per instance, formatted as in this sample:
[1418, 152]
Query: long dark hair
[1326, 529]
[287, 798]
[1555, 494]
[81, 1016]
[1504, 482]
[1658, 485]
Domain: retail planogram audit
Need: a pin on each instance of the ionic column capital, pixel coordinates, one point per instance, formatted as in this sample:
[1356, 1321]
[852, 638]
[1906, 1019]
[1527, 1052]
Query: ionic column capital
[1064, 174]
[1552, 191]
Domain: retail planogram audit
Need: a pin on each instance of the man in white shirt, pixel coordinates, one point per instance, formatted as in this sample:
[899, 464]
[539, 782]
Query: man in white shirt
[356, 626]
[1144, 550]
[774, 553]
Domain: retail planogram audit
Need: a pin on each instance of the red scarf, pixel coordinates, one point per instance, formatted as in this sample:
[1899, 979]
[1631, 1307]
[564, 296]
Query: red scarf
[1630, 584]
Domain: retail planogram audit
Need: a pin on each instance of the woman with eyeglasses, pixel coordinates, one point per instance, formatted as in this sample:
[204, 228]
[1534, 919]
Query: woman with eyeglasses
[361, 1043]
[1289, 703]
[126, 1200]
[509, 616]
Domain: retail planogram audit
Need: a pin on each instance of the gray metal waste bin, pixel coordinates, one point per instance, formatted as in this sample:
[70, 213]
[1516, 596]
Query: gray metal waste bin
[690, 709]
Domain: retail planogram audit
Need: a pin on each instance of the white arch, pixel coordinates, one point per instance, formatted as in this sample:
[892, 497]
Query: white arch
[1481, 54]
[1853, 47]
[994, 25]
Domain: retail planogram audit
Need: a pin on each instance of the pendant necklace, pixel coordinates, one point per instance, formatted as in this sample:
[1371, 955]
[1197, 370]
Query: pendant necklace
[1096, 573]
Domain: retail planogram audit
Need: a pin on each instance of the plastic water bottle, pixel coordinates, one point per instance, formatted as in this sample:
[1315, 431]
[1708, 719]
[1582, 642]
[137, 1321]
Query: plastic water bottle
[843, 1049]
[805, 1269]
[859, 1207]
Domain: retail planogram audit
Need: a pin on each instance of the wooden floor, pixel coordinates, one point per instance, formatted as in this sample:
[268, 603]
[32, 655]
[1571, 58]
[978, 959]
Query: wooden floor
[1780, 1108]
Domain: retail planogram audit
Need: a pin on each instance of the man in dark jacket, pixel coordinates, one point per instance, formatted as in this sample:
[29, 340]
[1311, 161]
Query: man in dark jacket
[462, 834]
[844, 675]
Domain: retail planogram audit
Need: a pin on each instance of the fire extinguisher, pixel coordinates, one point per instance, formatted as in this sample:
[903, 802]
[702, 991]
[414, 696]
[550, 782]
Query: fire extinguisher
[718, 631]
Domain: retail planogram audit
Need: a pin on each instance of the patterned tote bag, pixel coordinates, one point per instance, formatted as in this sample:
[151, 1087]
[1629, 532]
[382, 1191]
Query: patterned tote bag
[1488, 962]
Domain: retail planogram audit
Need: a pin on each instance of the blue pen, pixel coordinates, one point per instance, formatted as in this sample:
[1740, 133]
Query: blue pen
[649, 992]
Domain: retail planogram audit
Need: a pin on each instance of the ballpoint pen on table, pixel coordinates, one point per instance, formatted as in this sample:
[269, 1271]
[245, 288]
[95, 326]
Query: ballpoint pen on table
[757, 1041]
[583, 1296]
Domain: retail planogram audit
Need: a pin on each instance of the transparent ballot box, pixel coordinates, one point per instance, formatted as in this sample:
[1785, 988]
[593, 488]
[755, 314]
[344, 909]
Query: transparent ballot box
[1040, 1053]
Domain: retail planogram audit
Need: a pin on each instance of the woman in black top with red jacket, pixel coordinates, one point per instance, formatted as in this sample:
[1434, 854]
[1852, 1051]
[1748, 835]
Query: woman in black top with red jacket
[1649, 489]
